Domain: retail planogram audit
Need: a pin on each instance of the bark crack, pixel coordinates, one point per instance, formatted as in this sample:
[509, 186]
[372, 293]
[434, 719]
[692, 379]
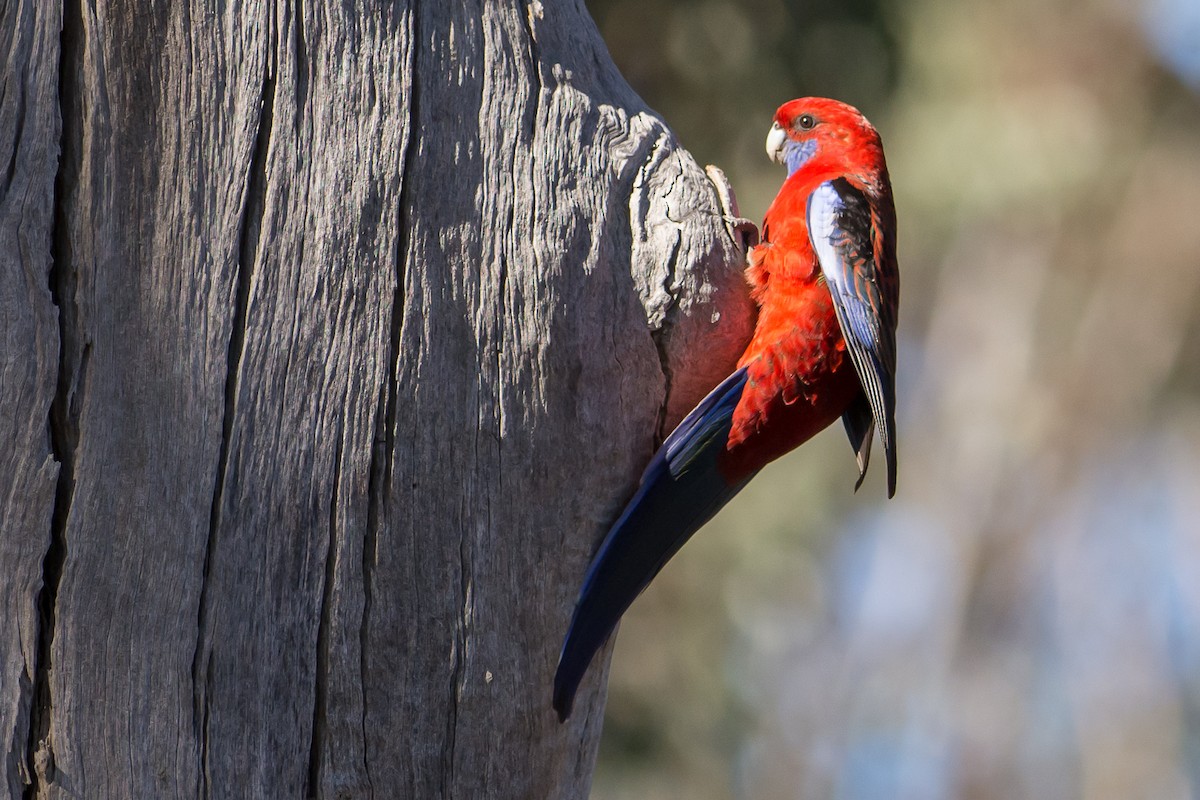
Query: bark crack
[62, 422]
[535, 64]
[383, 448]
[321, 688]
[646, 157]
[302, 63]
[532, 9]
[18, 132]
[497, 396]
[662, 334]
[459, 658]
[249, 236]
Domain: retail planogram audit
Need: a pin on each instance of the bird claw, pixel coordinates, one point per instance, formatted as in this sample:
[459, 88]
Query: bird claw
[740, 229]
[746, 227]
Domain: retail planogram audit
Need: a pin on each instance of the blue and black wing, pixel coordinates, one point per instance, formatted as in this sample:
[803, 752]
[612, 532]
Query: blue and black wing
[853, 236]
[681, 489]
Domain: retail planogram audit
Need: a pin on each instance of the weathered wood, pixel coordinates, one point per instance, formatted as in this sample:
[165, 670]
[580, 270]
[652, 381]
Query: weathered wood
[369, 315]
[29, 136]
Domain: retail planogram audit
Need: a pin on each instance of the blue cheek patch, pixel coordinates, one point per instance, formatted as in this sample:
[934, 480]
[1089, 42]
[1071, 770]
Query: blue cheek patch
[796, 154]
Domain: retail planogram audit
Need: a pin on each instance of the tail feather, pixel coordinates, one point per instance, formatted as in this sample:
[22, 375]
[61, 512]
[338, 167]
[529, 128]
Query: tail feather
[860, 428]
[681, 489]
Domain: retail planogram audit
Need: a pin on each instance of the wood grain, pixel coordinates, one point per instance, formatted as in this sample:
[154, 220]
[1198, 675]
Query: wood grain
[370, 314]
[29, 357]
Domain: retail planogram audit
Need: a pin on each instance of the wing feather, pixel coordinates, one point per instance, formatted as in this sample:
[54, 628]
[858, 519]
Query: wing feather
[851, 237]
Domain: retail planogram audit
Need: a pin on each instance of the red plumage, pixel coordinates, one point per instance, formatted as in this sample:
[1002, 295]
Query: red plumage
[824, 346]
[800, 378]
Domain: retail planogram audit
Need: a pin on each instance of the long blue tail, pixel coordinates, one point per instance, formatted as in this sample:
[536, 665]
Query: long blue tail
[681, 490]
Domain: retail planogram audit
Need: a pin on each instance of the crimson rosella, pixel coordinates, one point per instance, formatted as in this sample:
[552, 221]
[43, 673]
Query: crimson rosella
[826, 283]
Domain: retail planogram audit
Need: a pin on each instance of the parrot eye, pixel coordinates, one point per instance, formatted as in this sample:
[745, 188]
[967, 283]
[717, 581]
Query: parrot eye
[806, 122]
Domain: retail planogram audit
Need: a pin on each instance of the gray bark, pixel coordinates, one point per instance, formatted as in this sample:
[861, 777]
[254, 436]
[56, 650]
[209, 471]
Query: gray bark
[334, 336]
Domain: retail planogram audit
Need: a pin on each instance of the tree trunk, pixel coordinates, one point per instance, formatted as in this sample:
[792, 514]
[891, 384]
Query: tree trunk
[334, 334]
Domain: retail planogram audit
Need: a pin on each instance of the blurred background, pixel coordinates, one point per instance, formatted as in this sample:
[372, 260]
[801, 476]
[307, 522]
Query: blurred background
[1023, 620]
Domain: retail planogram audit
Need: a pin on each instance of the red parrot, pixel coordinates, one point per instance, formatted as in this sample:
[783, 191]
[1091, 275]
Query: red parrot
[826, 282]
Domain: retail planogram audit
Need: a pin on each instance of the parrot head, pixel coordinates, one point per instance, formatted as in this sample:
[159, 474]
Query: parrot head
[811, 125]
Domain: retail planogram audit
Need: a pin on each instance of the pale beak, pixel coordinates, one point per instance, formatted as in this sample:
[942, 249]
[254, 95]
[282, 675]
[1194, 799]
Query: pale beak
[776, 140]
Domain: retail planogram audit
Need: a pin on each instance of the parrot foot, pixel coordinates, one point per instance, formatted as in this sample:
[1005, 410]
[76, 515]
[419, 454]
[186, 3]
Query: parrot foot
[740, 228]
[745, 227]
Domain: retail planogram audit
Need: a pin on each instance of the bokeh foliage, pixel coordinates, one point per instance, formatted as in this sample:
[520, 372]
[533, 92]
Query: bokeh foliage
[1023, 620]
